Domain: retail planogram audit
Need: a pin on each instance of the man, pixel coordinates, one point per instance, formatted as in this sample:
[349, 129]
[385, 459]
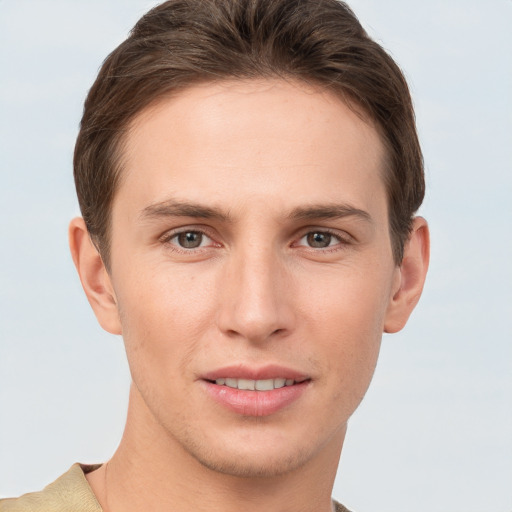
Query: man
[248, 173]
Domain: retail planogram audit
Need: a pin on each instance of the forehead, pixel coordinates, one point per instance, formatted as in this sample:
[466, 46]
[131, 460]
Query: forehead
[252, 139]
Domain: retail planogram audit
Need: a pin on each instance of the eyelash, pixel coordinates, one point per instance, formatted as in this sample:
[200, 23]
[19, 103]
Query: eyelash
[167, 238]
[342, 241]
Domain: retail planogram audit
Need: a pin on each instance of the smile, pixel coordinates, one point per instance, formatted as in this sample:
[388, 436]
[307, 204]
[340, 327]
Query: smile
[256, 397]
[255, 385]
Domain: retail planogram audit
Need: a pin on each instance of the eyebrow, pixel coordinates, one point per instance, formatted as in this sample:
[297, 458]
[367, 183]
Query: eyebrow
[175, 208]
[329, 211]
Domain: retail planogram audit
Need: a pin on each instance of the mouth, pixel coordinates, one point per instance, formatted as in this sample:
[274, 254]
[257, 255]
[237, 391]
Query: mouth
[255, 392]
[256, 385]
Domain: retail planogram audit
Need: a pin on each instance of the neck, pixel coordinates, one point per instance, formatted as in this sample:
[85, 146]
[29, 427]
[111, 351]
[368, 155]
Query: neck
[151, 470]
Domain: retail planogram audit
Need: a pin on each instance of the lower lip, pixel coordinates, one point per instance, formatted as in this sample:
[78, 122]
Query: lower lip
[255, 403]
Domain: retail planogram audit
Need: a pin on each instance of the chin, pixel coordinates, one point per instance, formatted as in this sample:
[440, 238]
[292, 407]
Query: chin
[264, 456]
[257, 465]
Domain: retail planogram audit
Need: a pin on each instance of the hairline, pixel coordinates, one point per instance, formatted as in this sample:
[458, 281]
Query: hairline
[121, 151]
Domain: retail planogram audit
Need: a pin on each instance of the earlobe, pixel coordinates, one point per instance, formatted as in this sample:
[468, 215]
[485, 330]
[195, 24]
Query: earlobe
[94, 277]
[412, 273]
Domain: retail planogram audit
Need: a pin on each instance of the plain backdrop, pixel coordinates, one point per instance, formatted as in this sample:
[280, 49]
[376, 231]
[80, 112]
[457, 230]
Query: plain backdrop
[435, 430]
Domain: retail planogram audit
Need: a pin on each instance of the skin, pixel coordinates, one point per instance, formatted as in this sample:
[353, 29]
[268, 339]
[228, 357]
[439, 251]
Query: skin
[252, 170]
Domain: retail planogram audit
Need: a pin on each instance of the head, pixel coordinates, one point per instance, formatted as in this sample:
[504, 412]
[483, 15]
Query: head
[186, 42]
[248, 173]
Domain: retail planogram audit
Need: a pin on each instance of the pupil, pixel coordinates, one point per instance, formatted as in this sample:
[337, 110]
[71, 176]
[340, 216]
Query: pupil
[190, 239]
[319, 240]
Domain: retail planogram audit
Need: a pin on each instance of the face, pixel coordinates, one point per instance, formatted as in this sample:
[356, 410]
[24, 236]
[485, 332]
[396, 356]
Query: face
[252, 270]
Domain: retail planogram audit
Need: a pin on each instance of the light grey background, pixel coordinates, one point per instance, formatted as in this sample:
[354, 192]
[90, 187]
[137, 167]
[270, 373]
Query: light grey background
[435, 431]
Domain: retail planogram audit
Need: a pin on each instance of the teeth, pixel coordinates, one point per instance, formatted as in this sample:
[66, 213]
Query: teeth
[246, 384]
[258, 385]
[264, 385]
[232, 383]
[280, 383]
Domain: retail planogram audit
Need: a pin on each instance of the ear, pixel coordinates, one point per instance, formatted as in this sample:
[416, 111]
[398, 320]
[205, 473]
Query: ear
[411, 277]
[94, 277]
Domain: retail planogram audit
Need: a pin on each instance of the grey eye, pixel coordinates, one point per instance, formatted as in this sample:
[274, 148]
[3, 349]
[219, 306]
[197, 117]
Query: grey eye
[189, 239]
[319, 240]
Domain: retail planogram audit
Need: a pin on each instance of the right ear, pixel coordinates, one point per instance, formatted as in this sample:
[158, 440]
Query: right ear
[94, 277]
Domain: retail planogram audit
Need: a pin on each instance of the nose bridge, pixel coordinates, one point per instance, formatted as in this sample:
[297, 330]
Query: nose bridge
[255, 302]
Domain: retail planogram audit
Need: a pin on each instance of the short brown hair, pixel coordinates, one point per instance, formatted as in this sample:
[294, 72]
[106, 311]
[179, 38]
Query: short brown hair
[183, 42]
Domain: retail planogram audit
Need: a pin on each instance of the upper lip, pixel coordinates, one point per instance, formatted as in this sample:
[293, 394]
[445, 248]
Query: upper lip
[241, 371]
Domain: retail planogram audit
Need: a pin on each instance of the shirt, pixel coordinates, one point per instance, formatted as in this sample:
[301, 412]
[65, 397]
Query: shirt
[69, 493]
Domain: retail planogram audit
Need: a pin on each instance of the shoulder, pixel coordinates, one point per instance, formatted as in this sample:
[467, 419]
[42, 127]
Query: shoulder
[338, 507]
[69, 492]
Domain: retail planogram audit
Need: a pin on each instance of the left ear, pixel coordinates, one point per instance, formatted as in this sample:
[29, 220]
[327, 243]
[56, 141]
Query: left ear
[412, 273]
[94, 277]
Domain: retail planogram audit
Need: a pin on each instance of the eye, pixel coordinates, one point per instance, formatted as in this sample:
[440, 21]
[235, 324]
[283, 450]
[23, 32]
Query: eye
[190, 240]
[320, 239]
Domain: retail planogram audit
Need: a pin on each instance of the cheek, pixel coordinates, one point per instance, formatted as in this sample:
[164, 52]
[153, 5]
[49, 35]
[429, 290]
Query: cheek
[349, 304]
[352, 344]
[351, 353]
[162, 313]
[346, 320]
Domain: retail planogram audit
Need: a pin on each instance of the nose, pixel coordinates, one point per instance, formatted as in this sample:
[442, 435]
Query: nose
[256, 298]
